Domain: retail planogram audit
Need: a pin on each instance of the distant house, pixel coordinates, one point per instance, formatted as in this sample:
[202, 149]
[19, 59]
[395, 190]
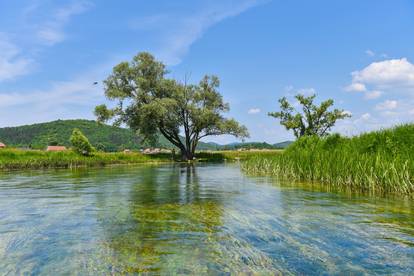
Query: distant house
[2, 146]
[56, 148]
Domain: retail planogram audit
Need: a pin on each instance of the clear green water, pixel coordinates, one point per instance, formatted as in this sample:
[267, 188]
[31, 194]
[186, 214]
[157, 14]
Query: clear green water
[208, 219]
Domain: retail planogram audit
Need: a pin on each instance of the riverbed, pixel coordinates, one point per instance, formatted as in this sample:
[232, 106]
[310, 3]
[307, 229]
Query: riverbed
[201, 219]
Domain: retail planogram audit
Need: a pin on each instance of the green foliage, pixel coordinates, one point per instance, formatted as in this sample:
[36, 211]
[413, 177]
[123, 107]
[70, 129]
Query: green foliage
[36, 159]
[253, 145]
[313, 120]
[378, 162]
[150, 103]
[80, 143]
[103, 137]
[53, 140]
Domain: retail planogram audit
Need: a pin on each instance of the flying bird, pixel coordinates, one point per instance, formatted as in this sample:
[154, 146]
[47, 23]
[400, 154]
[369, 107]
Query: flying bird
[95, 83]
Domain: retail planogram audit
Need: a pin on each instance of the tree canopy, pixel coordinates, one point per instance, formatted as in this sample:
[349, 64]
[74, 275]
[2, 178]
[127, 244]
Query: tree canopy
[313, 120]
[80, 143]
[151, 103]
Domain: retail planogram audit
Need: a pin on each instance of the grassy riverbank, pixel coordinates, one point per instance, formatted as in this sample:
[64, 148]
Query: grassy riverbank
[35, 159]
[379, 162]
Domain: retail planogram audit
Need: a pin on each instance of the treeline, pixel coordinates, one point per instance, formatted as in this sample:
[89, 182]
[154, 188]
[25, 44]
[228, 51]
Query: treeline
[103, 137]
[256, 145]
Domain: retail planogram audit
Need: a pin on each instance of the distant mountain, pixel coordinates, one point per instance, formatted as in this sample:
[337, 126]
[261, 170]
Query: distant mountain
[255, 145]
[283, 145]
[105, 137]
[108, 138]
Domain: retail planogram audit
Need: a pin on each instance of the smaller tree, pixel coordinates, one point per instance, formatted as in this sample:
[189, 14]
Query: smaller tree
[313, 120]
[80, 143]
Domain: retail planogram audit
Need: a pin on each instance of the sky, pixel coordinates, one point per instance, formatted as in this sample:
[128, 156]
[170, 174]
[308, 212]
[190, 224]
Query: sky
[359, 53]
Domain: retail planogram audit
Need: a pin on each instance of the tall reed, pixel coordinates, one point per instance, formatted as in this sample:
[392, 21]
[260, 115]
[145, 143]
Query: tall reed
[36, 159]
[381, 161]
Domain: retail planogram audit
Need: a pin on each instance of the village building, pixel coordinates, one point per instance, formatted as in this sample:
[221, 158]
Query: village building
[56, 148]
[2, 146]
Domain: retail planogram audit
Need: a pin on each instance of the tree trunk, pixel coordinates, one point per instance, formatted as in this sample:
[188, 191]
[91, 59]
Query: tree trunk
[187, 154]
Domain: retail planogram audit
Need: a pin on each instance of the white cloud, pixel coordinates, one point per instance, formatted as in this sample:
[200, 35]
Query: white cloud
[62, 99]
[51, 32]
[387, 105]
[366, 116]
[387, 73]
[79, 92]
[254, 111]
[394, 76]
[370, 53]
[12, 63]
[179, 32]
[17, 60]
[307, 91]
[357, 87]
[374, 94]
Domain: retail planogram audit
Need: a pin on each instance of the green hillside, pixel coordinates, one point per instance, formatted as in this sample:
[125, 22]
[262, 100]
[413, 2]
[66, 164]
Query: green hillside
[283, 145]
[108, 138]
[105, 137]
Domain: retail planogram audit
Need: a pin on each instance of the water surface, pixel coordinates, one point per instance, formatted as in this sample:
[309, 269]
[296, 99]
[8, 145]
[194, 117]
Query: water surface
[207, 219]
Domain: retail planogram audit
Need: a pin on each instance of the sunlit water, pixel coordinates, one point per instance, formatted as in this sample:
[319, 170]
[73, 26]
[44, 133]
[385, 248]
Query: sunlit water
[208, 219]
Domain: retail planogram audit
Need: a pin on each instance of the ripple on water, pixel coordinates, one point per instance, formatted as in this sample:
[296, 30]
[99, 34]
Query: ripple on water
[207, 219]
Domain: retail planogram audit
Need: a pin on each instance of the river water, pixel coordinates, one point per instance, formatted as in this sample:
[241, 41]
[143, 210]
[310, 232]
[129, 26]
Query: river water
[204, 219]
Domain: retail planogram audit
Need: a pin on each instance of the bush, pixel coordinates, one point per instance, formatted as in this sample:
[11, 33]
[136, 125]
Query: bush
[80, 143]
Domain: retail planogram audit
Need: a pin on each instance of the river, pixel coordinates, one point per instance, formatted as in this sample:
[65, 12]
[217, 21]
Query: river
[204, 219]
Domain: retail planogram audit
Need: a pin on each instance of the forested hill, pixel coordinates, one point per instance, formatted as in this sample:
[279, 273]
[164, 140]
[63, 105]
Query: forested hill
[105, 137]
[108, 138]
[38, 136]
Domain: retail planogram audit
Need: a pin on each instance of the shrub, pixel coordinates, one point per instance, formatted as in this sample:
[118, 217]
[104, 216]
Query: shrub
[80, 143]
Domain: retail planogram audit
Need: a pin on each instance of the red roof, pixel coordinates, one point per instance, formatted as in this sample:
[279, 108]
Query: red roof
[56, 148]
[2, 145]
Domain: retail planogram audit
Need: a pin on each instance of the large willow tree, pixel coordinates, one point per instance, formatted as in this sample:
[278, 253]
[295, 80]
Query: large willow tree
[152, 104]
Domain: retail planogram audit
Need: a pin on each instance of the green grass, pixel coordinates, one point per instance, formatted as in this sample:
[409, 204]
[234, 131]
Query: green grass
[377, 162]
[36, 159]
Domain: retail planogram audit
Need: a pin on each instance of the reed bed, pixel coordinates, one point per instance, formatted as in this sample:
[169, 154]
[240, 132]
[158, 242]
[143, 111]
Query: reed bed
[378, 162]
[36, 159]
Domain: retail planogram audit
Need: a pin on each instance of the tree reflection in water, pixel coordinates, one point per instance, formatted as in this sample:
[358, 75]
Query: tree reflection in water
[169, 215]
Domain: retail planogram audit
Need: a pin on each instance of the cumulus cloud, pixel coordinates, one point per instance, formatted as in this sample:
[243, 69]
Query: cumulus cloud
[387, 105]
[254, 111]
[379, 78]
[374, 94]
[291, 91]
[357, 87]
[387, 73]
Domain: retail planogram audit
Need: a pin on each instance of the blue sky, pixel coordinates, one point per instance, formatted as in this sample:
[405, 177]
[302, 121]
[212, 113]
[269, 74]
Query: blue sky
[360, 53]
